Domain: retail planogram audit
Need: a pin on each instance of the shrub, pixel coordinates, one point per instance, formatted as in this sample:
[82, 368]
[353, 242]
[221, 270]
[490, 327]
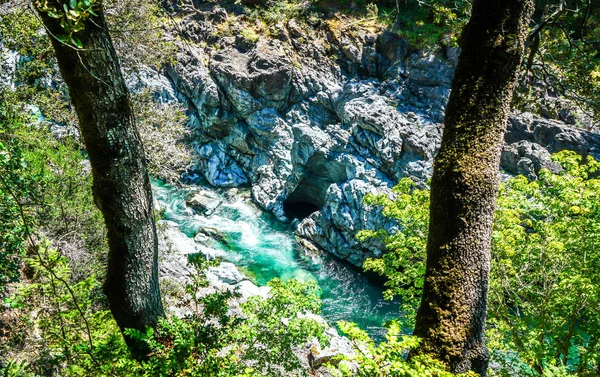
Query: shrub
[544, 300]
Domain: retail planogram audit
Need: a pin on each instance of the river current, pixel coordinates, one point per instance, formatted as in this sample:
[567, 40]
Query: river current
[264, 249]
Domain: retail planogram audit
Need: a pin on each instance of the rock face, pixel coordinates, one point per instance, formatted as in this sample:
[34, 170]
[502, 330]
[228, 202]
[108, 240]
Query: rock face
[314, 118]
[8, 66]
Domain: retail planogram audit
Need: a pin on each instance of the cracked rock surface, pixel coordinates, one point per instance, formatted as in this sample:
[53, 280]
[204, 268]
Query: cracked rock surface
[314, 117]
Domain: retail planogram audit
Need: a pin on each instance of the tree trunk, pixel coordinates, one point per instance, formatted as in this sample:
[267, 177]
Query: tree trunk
[452, 314]
[122, 188]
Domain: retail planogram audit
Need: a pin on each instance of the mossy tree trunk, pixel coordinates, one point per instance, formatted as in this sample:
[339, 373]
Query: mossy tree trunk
[121, 187]
[452, 314]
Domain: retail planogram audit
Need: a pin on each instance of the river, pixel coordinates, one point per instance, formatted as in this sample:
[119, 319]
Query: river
[264, 249]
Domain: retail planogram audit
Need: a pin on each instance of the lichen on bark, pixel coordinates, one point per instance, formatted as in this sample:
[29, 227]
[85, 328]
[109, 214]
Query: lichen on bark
[451, 317]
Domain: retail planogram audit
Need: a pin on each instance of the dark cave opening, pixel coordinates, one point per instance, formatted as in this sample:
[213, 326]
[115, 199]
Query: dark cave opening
[307, 198]
[299, 210]
[310, 194]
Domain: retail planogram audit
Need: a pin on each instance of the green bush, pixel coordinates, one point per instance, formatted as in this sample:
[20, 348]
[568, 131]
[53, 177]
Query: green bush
[275, 11]
[387, 358]
[80, 338]
[544, 300]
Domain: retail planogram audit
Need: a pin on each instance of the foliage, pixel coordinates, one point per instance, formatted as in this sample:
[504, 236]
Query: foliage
[163, 132]
[137, 29]
[212, 342]
[71, 320]
[14, 369]
[134, 25]
[563, 62]
[423, 23]
[36, 72]
[18, 185]
[38, 83]
[545, 284]
[250, 36]
[404, 265]
[45, 189]
[544, 296]
[72, 16]
[388, 358]
[276, 11]
[431, 22]
[44, 185]
[58, 201]
[81, 339]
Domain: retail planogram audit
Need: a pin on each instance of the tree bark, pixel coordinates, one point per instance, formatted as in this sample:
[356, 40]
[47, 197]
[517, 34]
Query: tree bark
[452, 314]
[121, 187]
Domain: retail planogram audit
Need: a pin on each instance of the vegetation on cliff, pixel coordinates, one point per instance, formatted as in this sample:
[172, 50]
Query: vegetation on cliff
[55, 318]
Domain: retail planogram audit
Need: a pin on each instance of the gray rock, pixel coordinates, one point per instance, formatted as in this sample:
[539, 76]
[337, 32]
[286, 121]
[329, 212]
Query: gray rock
[526, 158]
[338, 346]
[9, 61]
[220, 169]
[148, 79]
[202, 239]
[552, 135]
[174, 250]
[211, 233]
[226, 273]
[247, 289]
[297, 126]
[254, 80]
[204, 201]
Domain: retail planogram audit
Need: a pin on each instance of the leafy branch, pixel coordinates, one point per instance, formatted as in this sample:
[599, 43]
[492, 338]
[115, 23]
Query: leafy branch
[72, 17]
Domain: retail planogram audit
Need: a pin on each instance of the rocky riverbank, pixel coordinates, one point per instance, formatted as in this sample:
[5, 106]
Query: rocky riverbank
[315, 116]
[175, 250]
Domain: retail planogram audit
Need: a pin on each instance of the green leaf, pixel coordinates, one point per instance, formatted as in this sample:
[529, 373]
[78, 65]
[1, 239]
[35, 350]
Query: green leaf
[73, 4]
[62, 38]
[65, 23]
[73, 15]
[77, 42]
[78, 26]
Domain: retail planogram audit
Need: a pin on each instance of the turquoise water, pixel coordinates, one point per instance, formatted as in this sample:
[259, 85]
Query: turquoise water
[266, 249]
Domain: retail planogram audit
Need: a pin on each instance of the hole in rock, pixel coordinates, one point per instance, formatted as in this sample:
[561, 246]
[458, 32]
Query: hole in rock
[298, 210]
[307, 198]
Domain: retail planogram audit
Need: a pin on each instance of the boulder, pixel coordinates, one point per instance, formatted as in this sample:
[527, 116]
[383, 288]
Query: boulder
[526, 158]
[552, 135]
[226, 273]
[205, 233]
[338, 347]
[204, 202]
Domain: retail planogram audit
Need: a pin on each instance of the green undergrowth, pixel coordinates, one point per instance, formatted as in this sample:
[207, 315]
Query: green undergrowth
[387, 358]
[544, 300]
[77, 336]
[425, 24]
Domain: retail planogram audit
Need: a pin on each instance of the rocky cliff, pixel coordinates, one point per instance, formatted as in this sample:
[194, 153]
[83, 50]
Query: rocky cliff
[316, 115]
